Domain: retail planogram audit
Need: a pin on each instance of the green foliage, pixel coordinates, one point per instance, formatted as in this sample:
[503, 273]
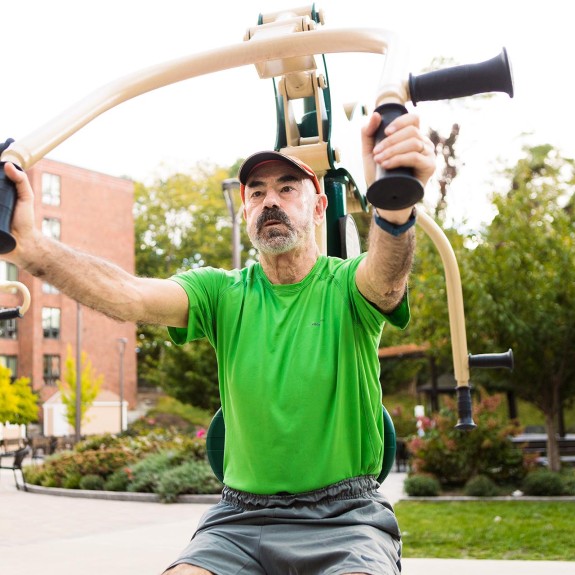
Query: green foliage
[523, 292]
[73, 480]
[453, 456]
[190, 374]
[182, 222]
[119, 480]
[18, 403]
[481, 486]
[543, 482]
[403, 419]
[568, 477]
[190, 477]
[422, 486]
[89, 387]
[66, 466]
[92, 482]
[192, 415]
[133, 463]
[146, 474]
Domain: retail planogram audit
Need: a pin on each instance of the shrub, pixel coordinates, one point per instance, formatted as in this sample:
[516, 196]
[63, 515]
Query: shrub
[119, 480]
[543, 482]
[481, 486]
[34, 474]
[147, 473]
[192, 477]
[98, 442]
[72, 481]
[422, 486]
[569, 486]
[92, 482]
[454, 456]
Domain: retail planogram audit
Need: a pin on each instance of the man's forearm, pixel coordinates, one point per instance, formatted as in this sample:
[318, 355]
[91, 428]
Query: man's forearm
[94, 282]
[383, 277]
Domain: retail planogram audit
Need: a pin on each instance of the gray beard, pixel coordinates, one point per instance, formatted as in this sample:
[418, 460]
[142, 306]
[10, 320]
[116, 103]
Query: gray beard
[275, 241]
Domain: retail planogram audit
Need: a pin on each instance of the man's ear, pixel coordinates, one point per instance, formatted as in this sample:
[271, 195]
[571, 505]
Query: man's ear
[320, 208]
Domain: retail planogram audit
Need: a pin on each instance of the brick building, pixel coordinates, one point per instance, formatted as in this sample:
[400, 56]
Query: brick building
[91, 212]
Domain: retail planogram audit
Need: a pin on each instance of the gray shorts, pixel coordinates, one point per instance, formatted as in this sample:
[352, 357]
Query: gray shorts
[348, 527]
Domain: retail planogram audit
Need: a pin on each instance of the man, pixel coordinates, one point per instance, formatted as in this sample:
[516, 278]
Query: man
[296, 338]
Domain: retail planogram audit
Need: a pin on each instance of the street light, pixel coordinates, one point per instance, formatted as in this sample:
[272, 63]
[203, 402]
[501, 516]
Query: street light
[78, 418]
[228, 185]
[123, 341]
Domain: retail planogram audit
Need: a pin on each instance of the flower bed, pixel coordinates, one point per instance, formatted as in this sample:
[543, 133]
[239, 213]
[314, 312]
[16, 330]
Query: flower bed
[166, 462]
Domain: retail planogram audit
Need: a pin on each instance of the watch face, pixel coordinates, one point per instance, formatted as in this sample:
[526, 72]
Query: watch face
[350, 242]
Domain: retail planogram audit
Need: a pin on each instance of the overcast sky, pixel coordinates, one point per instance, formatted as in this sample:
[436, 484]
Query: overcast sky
[56, 52]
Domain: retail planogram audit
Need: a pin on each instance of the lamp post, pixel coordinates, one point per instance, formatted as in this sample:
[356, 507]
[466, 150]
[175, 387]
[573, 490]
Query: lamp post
[78, 419]
[122, 341]
[228, 185]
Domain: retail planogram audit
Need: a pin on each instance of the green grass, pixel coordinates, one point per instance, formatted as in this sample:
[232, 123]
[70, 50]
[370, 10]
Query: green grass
[516, 530]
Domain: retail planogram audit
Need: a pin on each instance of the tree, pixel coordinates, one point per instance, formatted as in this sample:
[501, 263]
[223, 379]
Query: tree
[182, 222]
[190, 374]
[18, 403]
[524, 270]
[89, 387]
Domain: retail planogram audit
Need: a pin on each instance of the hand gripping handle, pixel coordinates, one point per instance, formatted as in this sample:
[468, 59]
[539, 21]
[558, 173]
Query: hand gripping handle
[7, 203]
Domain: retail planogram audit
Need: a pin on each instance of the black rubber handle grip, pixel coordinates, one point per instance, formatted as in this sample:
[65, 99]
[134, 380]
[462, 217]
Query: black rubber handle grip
[465, 421]
[398, 188]
[7, 203]
[490, 360]
[10, 313]
[467, 80]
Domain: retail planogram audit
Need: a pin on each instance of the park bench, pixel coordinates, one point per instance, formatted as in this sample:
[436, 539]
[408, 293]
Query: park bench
[537, 444]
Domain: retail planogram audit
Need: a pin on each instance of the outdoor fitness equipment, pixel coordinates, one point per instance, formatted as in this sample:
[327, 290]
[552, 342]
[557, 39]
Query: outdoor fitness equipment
[290, 47]
[19, 311]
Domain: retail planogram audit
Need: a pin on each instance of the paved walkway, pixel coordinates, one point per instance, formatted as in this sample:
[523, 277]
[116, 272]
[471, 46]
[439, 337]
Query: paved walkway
[67, 536]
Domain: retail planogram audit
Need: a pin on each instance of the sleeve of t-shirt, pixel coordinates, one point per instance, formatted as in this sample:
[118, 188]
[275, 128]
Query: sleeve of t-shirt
[202, 286]
[367, 311]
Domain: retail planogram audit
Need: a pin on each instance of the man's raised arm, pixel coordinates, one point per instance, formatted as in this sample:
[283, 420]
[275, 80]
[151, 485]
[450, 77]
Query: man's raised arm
[90, 280]
[382, 275]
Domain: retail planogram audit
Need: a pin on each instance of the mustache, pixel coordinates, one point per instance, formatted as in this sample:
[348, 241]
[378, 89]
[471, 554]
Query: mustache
[276, 214]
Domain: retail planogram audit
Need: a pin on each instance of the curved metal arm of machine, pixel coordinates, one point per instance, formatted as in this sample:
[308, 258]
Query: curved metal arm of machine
[461, 360]
[15, 312]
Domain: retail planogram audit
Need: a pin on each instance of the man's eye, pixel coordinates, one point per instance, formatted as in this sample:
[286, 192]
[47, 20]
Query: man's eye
[256, 194]
[287, 189]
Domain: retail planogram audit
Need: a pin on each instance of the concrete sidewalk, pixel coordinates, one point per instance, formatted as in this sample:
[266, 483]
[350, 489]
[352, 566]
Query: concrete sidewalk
[68, 536]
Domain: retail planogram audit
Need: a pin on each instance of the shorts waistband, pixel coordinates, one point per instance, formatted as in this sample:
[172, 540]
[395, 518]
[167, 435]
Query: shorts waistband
[346, 489]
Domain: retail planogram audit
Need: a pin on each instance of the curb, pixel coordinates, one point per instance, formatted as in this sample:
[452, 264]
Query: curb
[117, 495]
[209, 499]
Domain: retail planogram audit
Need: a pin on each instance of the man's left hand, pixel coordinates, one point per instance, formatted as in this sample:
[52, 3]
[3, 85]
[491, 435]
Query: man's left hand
[404, 146]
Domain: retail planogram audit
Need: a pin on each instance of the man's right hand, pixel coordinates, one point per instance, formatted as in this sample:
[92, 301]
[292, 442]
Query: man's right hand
[23, 228]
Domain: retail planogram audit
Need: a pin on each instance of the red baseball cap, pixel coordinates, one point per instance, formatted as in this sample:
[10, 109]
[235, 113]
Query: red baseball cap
[255, 160]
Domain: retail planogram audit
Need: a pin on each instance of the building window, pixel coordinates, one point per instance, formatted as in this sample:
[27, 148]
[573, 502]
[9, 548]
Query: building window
[51, 369]
[8, 272]
[49, 288]
[51, 322]
[11, 362]
[51, 228]
[8, 329]
[50, 189]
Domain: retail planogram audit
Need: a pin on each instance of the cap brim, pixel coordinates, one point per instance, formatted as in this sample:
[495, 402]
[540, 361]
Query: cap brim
[259, 157]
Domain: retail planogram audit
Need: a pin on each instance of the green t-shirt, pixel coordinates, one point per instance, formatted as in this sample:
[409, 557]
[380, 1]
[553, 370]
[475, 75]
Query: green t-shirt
[298, 373]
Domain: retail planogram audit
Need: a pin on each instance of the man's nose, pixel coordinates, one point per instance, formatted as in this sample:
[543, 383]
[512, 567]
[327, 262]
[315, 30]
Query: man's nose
[271, 199]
